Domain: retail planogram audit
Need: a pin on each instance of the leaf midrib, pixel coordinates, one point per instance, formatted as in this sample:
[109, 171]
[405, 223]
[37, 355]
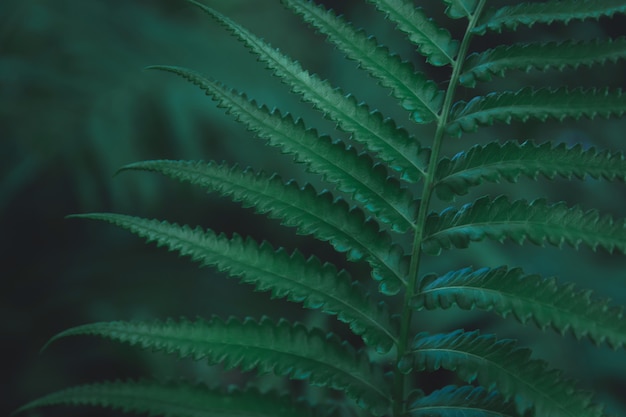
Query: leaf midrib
[201, 248]
[356, 375]
[580, 234]
[485, 359]
[525, 299]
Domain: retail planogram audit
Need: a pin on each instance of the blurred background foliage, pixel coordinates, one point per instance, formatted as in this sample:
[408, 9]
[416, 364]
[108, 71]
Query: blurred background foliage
[75, 105]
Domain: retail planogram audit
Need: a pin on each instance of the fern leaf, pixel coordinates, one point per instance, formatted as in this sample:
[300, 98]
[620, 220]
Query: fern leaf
[460, 8]
[282, 348]
[308, 281]
[541, 56]
[432, 41]
[320, 215]
[380, 135]
[541, 104]
[465, 401]
[491, 362]
[176, 400]
[415, 92]
[495, 162]
[528, 14]
[538, 222]
[354, 173]
[528, 298]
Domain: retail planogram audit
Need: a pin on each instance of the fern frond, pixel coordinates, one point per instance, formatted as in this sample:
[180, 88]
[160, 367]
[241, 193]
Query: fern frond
[547, 12]
[541, 56]
[415, 92]
[432, 41]
[458, 9]
[541, 104]
[465, 401]
[380, 135]
[320, 215]
[537, 222]
[282, 348]
[179, 399]
[496, 162]
[316, 285]
[354, 173]
[499, 363]
[528, 298]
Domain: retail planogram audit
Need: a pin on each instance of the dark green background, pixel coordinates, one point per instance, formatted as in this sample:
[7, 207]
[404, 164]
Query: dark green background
[76, 104]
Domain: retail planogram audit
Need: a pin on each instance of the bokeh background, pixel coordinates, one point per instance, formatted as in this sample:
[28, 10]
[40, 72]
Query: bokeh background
[76, 104]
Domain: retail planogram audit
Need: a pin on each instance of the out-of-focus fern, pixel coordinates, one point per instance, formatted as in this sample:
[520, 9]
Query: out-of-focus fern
[379, 208]
[108, 112]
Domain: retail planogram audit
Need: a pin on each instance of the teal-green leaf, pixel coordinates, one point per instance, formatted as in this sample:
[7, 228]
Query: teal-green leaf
[458, 9]
[541, 105]
[537, 221]
[321, 215]
[542, 56]
[415, 92]
[465, 401]
[180, 399]
[496, 162]
[528, 14]
[282, 348]
[291, 276]
[380, 135]
[353, 172]
[432, 41]
[500, 364]
[528, 298]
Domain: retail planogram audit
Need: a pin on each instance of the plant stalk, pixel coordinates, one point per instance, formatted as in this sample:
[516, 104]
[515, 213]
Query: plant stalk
[429, 182]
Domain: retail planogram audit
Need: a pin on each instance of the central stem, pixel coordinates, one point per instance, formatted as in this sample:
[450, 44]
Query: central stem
[429, 182]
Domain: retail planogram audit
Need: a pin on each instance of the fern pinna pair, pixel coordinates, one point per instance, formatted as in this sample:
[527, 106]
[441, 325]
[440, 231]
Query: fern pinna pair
[387, 219]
